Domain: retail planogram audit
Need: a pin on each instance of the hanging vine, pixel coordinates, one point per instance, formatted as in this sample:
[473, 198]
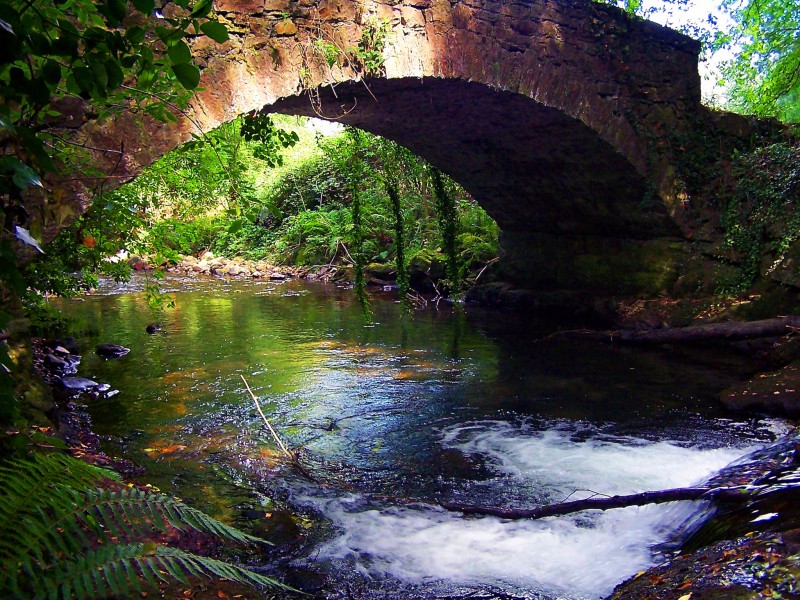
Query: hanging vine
[448, 225]
[356, 178]
[403, 280]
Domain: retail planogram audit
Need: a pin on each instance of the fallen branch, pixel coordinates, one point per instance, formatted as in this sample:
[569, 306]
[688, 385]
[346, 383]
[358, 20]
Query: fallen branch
[603, 503]
[271, 430]
[698, 333]
[294, 457]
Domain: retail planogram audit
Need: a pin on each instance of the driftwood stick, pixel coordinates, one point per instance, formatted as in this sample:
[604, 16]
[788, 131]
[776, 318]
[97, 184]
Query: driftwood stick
[271, 430]
[729, 331]
[603, 503]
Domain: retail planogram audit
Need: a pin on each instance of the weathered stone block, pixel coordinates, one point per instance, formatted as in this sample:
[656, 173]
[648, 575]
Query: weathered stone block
[240, 6]
[285, 28]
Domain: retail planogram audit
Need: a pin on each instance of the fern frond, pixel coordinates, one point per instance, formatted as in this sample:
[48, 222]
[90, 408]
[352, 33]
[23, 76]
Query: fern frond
[201, 565]
[25, 481]
[116, 570]
[65, 537]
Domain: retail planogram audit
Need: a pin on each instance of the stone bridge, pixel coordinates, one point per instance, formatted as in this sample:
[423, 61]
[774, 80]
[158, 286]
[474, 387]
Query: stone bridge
[553, 114]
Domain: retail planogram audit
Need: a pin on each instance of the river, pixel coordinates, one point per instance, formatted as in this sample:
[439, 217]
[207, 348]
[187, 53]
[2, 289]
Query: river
[390, 417]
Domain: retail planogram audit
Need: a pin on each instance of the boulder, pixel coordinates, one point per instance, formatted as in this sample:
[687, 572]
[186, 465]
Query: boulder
[382, 271]
[201, 267]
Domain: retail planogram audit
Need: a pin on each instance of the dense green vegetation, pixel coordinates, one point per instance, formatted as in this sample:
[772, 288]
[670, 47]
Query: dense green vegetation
[222, 194]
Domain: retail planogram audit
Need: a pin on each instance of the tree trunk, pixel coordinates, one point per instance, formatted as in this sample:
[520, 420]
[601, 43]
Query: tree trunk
[698, 333]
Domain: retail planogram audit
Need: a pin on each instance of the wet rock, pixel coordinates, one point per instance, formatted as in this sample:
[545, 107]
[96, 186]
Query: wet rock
[79, 384]
[68, 345]
[762, 566]
[61, 363]
[137, 263]
[277, 276]
[305, 580]
[54, 363]
[111, 351]
[776, 392]
[153, 328]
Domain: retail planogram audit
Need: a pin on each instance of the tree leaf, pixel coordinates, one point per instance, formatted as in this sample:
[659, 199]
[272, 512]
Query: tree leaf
[100, 77]
[169, 35]
[145, 6]
[202, 9]
[179, 53]
[135, 35]
[115, 75]
[84, 79]
[24, 176]
[187, 74]
[216, 31]
[51, 72]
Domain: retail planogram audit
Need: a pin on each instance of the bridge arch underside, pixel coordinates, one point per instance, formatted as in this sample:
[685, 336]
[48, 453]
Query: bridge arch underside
[574, 213]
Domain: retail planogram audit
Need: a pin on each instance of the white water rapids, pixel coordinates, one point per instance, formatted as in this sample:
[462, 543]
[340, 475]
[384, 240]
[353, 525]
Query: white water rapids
[580, 556]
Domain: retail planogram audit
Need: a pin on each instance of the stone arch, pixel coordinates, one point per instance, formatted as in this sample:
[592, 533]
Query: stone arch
[551, 113]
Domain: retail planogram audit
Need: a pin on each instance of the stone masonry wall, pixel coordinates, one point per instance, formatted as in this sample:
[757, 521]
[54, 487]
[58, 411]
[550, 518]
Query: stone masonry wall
[551, 113]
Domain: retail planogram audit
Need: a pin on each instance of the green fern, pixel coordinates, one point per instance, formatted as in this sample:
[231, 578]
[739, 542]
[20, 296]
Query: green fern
[68, 529]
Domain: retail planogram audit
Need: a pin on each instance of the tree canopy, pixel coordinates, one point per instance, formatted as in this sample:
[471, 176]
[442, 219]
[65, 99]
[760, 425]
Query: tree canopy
[764, 75]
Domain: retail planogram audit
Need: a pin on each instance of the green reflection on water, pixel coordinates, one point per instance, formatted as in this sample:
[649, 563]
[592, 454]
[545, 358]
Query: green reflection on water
[370, 398]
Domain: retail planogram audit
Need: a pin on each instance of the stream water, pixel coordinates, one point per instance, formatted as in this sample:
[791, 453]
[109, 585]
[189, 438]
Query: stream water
[452, 404]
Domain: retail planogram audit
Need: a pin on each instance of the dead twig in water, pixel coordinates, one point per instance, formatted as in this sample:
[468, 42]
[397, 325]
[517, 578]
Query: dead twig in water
[293, 457]
[271, 430]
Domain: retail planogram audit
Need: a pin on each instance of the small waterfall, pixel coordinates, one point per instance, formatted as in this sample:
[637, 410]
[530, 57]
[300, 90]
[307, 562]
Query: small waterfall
[580, 556]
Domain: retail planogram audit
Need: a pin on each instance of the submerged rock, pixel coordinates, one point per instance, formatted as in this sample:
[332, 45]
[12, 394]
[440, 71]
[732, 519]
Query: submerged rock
[153, 328]
[111, 351]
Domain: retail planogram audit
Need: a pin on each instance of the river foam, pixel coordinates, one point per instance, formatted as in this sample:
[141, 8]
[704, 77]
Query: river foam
[580, 556]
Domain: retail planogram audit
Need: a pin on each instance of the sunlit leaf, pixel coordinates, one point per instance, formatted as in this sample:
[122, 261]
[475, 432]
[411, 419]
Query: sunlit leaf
[202, 9]
[25, 236]
[216, 31]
